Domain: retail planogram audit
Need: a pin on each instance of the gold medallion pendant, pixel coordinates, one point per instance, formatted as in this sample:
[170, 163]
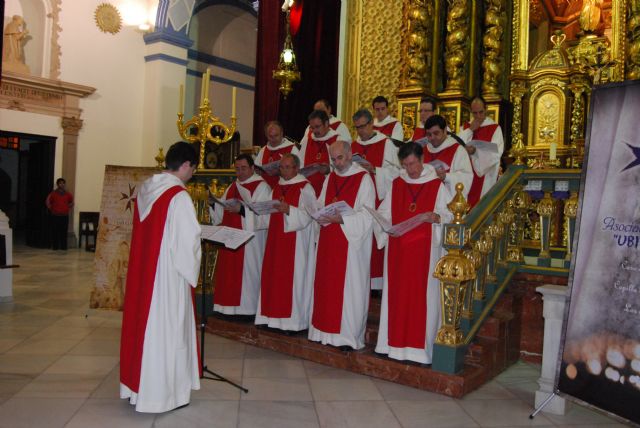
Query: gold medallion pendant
[335, 199]
[319, 156]
[281, 198]
[412, 207]
[108, 18]
[364, 156]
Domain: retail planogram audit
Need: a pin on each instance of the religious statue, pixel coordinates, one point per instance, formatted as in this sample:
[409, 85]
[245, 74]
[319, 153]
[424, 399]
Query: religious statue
[12, 40]
[590, 15]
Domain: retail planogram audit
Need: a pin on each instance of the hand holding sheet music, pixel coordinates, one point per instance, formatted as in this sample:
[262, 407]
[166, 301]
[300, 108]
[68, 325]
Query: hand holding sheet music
[263, 207]
[485, 146]
[271, 168]
[317, 212]
[401, 228]
[230, 237]
[314, 168]
[225, 203]
[437, 164]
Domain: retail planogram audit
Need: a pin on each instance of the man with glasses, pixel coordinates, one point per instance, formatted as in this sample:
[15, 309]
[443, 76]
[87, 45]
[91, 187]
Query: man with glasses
[385, 123]
[237, 275]
[335, 123]
[314, 151]
[486, 163]
[427, 109]
[277, 146]
[380, 158]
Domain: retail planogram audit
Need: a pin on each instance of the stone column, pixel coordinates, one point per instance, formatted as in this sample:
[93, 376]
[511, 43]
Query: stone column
[555, 298]
[70, 130]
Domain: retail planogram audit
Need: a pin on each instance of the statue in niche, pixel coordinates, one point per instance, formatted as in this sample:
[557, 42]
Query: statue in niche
[12, 40]
[590, 15]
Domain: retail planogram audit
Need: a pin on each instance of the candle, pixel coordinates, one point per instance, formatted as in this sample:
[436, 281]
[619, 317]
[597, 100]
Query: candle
[181, 101]
[234, 91]
[552, 151]
[202, 91]
[206, 88]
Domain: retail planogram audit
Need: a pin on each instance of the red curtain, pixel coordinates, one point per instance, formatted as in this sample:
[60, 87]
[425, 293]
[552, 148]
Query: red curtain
[316, 46]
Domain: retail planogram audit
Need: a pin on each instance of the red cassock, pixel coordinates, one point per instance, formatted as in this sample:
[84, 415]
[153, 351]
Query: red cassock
[484, 133]
[386, 129]
[445, 155]
[230, 264]
[317, 151]
[276, 291]
[408, 269]
[418, 133]
[374, 153]
[331, 260]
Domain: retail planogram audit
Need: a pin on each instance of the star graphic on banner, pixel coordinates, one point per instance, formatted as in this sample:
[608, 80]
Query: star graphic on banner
[129, 198]
[636, 161]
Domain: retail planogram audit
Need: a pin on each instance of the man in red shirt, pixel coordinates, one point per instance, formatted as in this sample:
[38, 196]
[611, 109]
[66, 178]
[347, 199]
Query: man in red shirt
[59, 202]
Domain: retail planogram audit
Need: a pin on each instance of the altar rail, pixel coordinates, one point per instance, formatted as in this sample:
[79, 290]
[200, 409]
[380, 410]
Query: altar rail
[525, 223]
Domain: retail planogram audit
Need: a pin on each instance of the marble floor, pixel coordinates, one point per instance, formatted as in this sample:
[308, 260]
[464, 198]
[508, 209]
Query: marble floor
[59, 368]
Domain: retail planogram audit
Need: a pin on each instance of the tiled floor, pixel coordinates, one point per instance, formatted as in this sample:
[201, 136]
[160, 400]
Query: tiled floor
[59, 367]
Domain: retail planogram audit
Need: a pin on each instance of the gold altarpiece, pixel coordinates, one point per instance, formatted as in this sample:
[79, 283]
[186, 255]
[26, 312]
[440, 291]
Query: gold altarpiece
[456, 49]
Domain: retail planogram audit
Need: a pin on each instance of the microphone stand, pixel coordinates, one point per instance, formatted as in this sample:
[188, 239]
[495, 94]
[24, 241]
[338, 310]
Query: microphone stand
[203, 322]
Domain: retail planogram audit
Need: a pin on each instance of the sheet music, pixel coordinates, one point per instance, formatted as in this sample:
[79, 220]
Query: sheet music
[422, 141]
[486, 146]
[310, 170]
[227, 203]
[263, 207]
[314, 209]
[245, 194]
[271, 168]
[230, 237]
[357, 158]
[438, 164]
[397, 229]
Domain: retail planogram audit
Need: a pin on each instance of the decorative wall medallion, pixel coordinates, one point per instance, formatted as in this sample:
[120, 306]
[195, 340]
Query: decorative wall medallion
[108, 18]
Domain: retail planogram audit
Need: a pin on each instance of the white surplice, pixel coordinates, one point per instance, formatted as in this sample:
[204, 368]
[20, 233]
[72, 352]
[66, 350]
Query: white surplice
[253, 250]
[357, 229]
[460, 169]
[170, 368]
[283, 145]
[397, 133]
[486, 164]
[341, 129]
[420, 355]
[297, 221]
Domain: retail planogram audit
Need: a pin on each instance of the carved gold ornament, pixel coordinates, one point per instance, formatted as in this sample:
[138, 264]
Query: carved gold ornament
[108, 18]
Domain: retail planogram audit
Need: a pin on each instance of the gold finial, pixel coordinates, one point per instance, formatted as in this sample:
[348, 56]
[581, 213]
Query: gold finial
[160, 158]
[558, 38]
[458, 205]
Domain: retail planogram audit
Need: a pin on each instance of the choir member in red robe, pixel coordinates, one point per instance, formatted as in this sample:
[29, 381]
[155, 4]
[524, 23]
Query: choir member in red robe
[314, 151]
[277, 146]
[158, 349]
[287, 268]
[486, 163]
[380, 157]
[237, 274]
[427, 109]
[384, 122]
[410, 311]
[343, 252]
[335, 123]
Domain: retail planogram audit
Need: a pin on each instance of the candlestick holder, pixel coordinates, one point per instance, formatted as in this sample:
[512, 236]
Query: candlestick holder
[204, 122]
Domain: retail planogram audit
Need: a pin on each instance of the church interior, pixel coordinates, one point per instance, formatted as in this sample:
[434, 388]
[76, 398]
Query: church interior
[92, 85]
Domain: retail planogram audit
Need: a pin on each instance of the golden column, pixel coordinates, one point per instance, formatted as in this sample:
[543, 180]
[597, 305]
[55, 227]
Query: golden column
[633, 47]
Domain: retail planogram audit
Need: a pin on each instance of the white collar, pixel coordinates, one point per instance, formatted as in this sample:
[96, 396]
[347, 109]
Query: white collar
[428, 173]
[297, 179]
[450, 141]
[353, 169]
[377, 137]
[384, 121]
[327, 136]
[254, 177]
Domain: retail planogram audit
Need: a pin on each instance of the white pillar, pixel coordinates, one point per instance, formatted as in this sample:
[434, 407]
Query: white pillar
[165, 70]
[6, 275]
[555, 298]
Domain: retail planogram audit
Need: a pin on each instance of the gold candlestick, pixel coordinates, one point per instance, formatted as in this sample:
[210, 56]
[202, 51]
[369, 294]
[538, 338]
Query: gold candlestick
[203, 123]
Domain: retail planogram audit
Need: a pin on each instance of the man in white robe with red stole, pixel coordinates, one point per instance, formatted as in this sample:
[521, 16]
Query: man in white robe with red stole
[385, 123]
[159, 364]
[427, 109]
[486, 164]
[343, 254]
[237, 273]
[446, 149]
[286, 282]
[410, 310]
[277, 146]
[335, 123]
[382, 157]
[314, 151]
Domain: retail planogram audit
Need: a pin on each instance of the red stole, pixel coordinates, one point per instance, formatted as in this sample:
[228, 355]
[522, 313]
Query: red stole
[331, 260]
[335, 125]
[271, 155]
[445, 155]
[276, 288]
[408, 279]
[386, 129]
[146, 239]
[228, 275]
[317, 152]
[374, 153]
[484, 133]
[418, 133]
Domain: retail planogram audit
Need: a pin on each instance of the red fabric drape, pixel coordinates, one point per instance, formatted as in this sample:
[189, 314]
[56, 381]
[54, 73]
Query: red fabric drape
[316, 46]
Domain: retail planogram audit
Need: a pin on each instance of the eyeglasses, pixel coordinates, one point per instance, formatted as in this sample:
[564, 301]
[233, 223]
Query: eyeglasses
[363, 125]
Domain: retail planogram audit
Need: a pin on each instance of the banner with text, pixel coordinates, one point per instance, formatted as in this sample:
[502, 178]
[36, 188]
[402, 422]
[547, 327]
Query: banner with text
[119, 190]
[600, 359]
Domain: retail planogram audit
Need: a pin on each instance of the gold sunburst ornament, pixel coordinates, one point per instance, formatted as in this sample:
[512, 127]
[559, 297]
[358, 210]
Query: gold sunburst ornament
[108, 18]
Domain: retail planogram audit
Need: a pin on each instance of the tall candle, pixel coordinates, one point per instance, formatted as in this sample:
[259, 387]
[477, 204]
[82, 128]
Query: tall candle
[181, 101]
[552, 151]
[202, 91]
[206, 88]
[234, 91]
